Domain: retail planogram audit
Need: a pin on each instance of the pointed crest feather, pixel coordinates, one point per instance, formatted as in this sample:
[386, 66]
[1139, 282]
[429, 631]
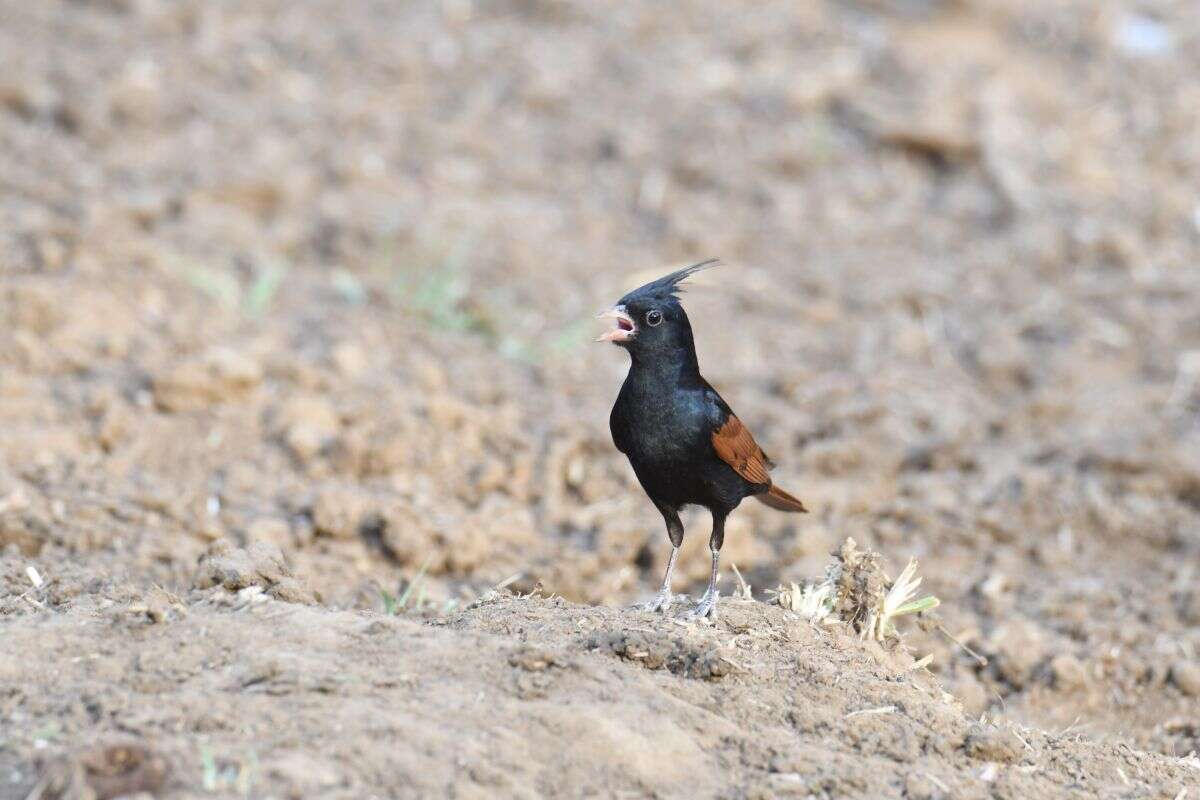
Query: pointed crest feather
[668, 286]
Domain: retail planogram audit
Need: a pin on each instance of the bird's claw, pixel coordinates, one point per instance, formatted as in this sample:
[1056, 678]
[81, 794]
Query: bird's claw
[660, 602]
[707, 607]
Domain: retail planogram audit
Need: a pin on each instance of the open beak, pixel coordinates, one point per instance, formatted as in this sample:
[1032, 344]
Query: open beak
[625, 329]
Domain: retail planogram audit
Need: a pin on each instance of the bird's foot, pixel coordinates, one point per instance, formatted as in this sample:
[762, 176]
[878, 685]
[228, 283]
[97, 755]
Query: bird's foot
[660, 602]
[707, 607]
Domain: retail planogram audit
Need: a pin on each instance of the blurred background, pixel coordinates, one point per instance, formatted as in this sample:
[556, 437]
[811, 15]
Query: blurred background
[323, 275]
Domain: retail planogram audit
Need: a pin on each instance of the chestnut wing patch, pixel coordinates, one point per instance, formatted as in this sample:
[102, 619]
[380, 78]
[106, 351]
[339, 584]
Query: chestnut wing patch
[737, 448]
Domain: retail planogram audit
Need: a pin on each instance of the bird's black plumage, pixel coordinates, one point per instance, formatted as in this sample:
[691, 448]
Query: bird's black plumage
[685, 444]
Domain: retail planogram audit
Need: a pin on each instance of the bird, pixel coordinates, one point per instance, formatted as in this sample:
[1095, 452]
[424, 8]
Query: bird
[685, 444]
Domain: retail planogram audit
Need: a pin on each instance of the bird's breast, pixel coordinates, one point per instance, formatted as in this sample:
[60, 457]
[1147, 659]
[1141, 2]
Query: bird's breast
[660, 429]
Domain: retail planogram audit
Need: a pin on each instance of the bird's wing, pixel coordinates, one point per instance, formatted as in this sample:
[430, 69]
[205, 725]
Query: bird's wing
[734, 443]
[616, 426]
[737, 448]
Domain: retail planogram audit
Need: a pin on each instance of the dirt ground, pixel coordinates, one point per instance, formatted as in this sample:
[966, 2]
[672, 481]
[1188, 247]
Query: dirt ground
[295, 367]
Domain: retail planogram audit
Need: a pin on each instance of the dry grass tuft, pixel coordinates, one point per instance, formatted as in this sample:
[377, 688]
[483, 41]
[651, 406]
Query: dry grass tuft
[856, 591]
[813, 601]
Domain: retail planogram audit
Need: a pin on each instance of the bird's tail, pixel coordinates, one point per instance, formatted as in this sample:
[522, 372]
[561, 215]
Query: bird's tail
[781, 501]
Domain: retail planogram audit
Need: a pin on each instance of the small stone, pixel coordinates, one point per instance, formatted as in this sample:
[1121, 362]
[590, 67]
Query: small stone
[1186, 676]
[999, 745]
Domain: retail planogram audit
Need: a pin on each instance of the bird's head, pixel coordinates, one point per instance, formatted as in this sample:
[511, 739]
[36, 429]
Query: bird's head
[650, 320]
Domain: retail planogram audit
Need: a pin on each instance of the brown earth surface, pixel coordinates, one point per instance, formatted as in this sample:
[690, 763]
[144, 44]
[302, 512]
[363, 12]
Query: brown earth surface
[295, 309]
[527, 698]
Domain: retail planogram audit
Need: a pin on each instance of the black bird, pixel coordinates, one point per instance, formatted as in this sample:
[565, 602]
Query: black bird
[685, 444]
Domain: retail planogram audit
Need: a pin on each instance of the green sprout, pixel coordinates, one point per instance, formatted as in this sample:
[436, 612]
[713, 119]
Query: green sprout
[898, 602]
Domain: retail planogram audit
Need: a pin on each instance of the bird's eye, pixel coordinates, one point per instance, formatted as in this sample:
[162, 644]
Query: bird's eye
[654, 317]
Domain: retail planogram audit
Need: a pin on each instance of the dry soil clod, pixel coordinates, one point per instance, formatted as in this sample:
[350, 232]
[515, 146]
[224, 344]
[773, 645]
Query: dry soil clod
[993, 743]
[260, 565]
[115, 767]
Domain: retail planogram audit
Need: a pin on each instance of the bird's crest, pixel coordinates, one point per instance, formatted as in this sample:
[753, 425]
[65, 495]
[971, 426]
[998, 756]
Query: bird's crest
[668, 286]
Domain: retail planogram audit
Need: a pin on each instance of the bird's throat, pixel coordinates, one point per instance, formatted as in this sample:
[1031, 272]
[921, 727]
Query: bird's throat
[668, 366]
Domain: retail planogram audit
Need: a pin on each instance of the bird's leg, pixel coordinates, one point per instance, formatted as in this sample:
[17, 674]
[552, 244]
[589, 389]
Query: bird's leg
[662, 600]
[707, 607]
